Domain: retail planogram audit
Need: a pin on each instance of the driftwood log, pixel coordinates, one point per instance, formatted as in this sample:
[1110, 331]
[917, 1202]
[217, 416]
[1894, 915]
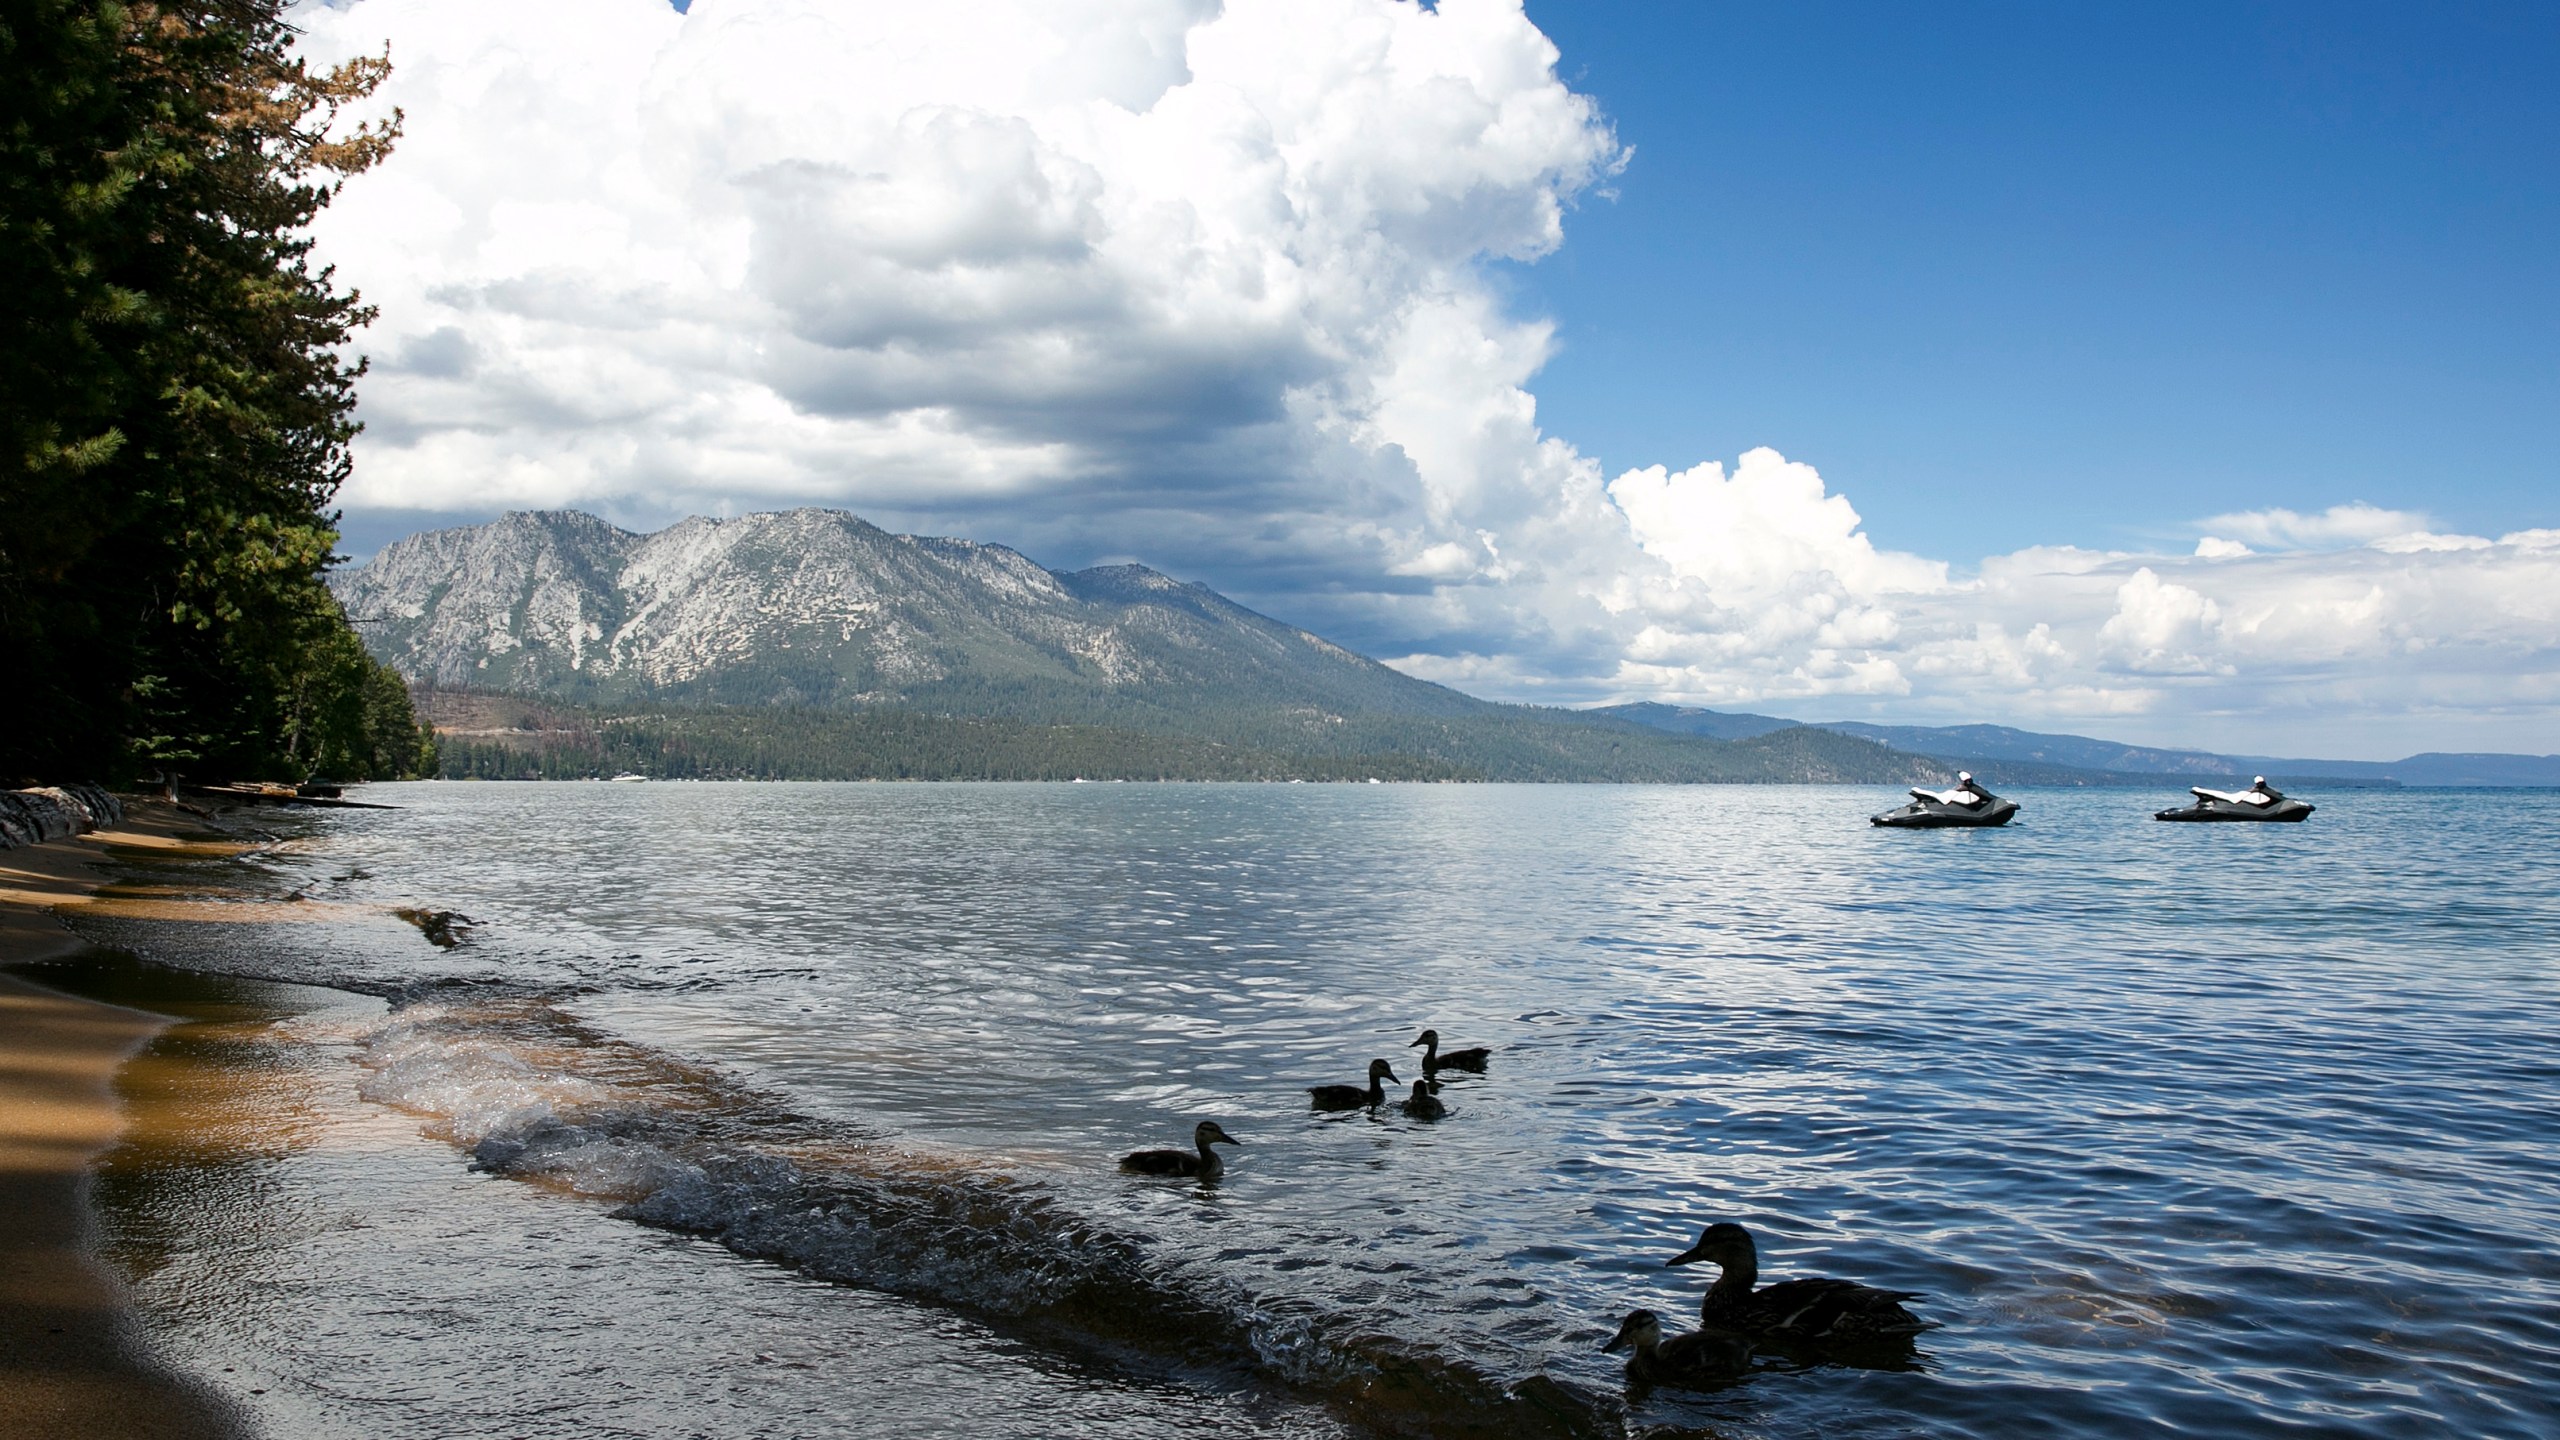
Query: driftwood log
[251, 792]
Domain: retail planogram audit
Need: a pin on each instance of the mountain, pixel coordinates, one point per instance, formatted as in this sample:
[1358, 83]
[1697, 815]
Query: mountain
[746, 643]
[2490, 771]
[1690, 720]
[817, 607]
[1999, 742]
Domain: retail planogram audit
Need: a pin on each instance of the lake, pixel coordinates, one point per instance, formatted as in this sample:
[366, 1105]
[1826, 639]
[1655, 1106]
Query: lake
[793, 1110]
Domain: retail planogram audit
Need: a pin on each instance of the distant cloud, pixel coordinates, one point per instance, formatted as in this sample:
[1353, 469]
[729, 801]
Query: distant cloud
[1204, 284]
[2351, 524]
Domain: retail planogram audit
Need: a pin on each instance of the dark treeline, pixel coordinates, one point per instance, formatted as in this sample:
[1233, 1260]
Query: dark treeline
[493, 736]
[175, 401]
[792, 744]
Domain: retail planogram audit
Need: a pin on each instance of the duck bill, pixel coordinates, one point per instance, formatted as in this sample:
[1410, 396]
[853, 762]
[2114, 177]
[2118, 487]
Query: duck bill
[1616, 1345]
[1690, 1256]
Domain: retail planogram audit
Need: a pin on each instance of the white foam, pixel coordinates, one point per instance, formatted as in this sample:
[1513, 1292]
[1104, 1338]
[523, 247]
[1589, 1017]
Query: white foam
[473, 1087]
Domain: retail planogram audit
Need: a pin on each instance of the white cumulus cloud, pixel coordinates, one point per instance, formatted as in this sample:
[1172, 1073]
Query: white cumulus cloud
[2160, 625]
[1205, 284]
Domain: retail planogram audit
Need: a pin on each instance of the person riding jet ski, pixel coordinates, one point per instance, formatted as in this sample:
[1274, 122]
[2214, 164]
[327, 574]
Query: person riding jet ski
[1963, 793]
[1964, 803]
[2261, 801]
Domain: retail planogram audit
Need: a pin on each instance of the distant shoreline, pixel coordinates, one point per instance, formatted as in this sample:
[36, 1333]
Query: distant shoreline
[2172, 785]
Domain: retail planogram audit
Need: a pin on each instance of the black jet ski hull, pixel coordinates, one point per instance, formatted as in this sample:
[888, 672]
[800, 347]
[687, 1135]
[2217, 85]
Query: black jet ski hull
[2282, 810]
[1929, 815]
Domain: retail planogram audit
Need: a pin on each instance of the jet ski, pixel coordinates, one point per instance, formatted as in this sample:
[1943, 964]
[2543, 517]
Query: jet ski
[2261, 801]
[1966, 804]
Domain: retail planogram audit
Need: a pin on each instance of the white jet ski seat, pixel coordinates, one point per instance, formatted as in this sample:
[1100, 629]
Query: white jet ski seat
[1966, 798]
[2245, 797]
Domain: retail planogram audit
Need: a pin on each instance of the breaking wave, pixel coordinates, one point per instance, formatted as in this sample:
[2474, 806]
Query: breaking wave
[535, 1094]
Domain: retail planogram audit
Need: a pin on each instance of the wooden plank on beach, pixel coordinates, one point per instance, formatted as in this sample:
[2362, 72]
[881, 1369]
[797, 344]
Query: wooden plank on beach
[279, 795]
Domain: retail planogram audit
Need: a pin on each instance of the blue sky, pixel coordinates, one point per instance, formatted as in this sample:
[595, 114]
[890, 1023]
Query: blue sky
[2178, 374]
[2013, 273]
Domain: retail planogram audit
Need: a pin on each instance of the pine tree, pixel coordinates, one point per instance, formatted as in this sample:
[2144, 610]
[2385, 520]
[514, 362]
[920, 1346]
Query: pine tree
[175, 401]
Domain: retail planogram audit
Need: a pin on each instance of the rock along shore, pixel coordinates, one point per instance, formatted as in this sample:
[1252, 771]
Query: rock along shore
[55, 812]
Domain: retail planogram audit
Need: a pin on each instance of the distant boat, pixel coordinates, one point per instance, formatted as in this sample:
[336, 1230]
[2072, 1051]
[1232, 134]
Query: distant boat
[629, 775]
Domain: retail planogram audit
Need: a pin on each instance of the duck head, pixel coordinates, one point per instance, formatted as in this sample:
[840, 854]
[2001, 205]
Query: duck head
[1427, 1037]
[1381, 1070]
[1724, 1242]
[1641, 1329]
[1421, 1091]
[1207, 1133]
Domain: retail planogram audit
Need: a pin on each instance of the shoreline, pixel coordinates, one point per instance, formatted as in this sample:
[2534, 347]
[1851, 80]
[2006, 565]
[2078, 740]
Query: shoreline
[72, 1362]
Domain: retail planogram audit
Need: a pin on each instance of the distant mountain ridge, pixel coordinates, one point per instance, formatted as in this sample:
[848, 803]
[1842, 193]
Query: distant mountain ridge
[820, 611]
[2004, 743]
[1966, 744]
[822, 608]
[1689, 720]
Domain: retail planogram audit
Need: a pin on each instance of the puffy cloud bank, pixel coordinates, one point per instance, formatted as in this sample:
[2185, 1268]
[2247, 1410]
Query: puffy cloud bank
[1205, 284]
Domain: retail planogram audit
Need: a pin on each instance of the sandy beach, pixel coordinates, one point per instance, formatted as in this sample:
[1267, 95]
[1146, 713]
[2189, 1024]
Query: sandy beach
[70, 1361]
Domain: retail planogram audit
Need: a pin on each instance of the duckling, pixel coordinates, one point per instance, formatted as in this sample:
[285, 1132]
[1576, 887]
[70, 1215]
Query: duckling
[1432, 1059]
[1207, 1165]
[1352, 1097]
[1813, 1309]
[1424, 1105]
[1701, 1357]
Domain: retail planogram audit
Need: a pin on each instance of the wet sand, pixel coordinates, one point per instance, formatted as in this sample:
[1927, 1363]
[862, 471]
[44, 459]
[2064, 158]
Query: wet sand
[71, 1363]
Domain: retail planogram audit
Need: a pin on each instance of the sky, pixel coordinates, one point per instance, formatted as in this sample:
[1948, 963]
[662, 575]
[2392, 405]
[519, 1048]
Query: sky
[2177, 374]
[2020, 272]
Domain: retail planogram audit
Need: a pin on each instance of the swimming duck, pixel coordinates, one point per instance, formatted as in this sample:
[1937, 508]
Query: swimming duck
[1207, 1164]
[1424, 1105]
[1699, 1357]
[1432, 1059]
[1352, 1097]
[1814, 1309]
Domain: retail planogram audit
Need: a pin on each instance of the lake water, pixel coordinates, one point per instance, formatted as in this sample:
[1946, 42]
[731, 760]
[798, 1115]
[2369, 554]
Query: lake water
[793, 1110]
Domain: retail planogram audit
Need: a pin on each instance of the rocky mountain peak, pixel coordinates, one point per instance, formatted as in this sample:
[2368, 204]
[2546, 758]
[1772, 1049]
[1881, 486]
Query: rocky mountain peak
[821, 607]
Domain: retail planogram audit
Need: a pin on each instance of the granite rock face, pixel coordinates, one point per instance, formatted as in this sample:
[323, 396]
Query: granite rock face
[818, 607]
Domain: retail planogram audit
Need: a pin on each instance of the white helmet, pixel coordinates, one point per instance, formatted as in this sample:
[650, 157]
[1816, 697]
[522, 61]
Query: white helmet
[1963, 775]
[2259, 780]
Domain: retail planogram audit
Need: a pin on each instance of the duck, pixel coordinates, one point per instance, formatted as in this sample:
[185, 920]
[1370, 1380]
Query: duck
[1433, 1060]
[1702, 1356]
[1424, 1105]
[1803, 1310]
[1206, 1165]
[1352, 1097]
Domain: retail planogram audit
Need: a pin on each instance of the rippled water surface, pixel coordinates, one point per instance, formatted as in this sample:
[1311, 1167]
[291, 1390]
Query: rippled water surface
[2215, 1129]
